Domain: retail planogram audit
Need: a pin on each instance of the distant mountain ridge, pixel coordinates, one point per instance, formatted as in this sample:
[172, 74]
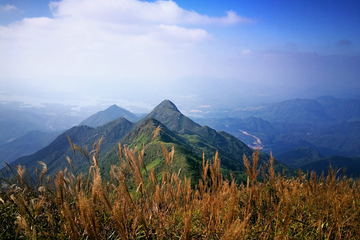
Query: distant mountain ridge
[307, 159]
[296, 111]
[25, 145]
[348, 165]
[25, 129]
[341, 110]
[326, 124]
[325, 110]
[14, 124]
[300, 156]
[300, 132]
[111, 113]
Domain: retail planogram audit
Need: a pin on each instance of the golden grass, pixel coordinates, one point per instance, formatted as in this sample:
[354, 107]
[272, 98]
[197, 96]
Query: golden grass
[137, 205]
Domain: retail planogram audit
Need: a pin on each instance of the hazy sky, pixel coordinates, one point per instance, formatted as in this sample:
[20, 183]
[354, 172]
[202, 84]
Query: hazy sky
[134, 52]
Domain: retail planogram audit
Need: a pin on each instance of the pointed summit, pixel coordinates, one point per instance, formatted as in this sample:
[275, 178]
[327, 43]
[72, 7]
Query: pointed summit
[169, 115]
[167, 104]
[113, 107]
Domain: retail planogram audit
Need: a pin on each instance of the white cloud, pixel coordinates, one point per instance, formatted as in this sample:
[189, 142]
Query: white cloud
[233, 18]
[134, 11]
[116, 48]
[8, 8]
[184, 34]
[108, 39]
[246, 51]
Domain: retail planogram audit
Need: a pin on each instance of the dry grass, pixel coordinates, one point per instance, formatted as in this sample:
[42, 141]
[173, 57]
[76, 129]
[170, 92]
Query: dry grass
[135, 204]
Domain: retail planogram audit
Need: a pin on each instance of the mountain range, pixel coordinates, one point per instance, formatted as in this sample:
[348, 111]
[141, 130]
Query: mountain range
[189, 139]
[280, 137]
[324, 110]
[14, 124]
[302, 133]
[327, 124]
[308, 160]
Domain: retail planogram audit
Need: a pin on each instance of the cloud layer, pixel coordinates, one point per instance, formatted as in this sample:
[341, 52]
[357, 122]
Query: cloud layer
[131, 49]
[105, 35]
[94, 43]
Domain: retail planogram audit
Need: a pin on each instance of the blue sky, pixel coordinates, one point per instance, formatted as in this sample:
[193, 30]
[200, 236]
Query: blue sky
[313, 25]
[89, 51]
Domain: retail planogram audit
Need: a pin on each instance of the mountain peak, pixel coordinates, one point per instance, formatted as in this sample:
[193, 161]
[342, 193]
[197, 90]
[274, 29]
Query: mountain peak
[114, 106]
[168, 114]
[167, 104]
[111, 113]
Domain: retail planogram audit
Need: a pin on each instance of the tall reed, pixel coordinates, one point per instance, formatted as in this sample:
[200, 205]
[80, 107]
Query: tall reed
[138, 203]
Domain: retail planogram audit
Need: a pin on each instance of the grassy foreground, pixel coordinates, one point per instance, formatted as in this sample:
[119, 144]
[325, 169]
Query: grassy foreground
[138, 204]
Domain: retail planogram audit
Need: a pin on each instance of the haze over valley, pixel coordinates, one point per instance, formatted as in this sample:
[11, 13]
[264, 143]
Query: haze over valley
[298, 132]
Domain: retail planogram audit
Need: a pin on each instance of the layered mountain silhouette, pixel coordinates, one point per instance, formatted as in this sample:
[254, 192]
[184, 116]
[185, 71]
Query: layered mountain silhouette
[54, 155]
[324, 110]
[25, 145]
[298, 157]
[335, 139]
[350, 166]
[189, 139]
[14, 124]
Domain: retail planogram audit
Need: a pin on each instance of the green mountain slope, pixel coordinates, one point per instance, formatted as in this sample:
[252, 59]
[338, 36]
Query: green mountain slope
[189, 148]
[185, 160]
[205, 139]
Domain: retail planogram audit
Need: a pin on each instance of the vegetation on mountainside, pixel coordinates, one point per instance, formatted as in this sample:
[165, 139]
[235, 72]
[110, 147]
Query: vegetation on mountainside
[140, 202]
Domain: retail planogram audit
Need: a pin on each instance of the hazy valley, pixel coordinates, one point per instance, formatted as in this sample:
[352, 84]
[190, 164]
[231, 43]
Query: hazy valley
[302, 133]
